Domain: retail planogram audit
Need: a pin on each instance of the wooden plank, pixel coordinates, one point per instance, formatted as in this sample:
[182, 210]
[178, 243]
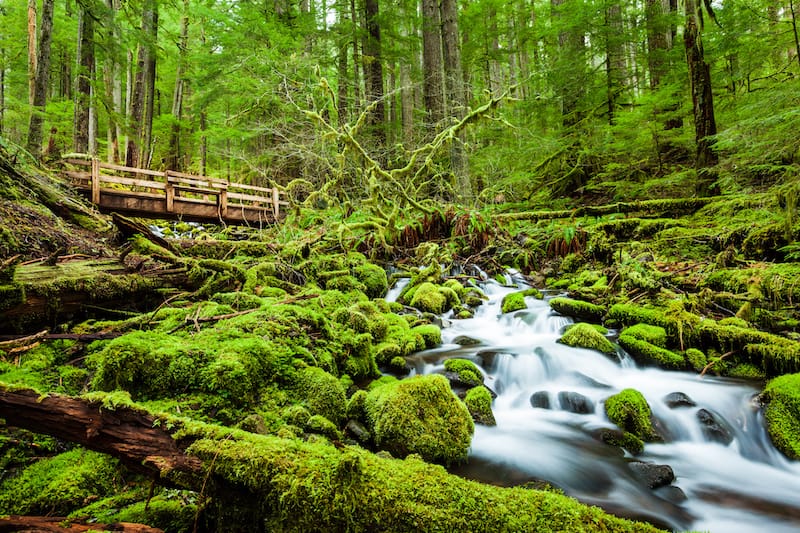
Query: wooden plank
[246, 187]
[119, 180]
[250, 197]
[170, 192]
[275, 202]
[222, 200]
[199, 182]
[147, 172]
[172, 173]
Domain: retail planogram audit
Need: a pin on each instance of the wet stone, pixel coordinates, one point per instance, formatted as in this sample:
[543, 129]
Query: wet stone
[540, 400]
[464, 340]
[678, 399]
[653, 475]
[575, 402]
[713, 428]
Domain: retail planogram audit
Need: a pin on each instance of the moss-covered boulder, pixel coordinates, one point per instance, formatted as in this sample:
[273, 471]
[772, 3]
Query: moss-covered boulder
[578, 309]
[583, 335]
[629, 410]
[479, 403]
[429, 299]
[515, 301]
[651, 354]
[782, 396]
[420, 415]
[322, 394]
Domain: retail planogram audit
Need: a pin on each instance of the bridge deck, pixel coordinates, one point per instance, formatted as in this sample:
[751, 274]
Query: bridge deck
[153, 194]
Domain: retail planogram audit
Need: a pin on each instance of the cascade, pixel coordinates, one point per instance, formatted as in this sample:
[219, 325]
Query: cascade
[728, 476]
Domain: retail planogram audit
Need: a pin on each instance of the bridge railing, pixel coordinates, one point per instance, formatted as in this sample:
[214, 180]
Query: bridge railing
[171, 185]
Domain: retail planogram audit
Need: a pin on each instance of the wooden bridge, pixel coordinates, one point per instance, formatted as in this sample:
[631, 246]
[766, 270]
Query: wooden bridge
[153, 194]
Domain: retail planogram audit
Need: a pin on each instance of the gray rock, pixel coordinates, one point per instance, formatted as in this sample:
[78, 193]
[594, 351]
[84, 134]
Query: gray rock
[541, 399]
[678, 399]
[652, 475]
[575, 403]
[714, 428]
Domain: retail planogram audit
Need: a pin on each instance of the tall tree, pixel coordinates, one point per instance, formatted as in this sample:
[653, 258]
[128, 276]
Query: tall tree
[143, 90]
[84, 81]
[705, 125]
[456, 104]
[34, 144]
[32, 52]
[373, 71]
[174, 159]
[432, 85]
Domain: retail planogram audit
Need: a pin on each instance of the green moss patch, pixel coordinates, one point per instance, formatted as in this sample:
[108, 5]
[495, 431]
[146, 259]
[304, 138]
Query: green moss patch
[629, 410]
[583, 335]
[647, 353]
[782, 395]
[578, 309]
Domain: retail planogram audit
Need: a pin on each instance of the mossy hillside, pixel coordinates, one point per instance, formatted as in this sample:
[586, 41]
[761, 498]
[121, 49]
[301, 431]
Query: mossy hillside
[583, 335]
[60, 484]
[782, 397]
[420, 415]
[629, 410]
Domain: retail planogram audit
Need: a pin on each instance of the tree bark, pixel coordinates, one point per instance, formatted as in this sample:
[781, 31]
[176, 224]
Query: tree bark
[34, 145]
[615, 59]
[432, 87]
[373, 72]
[83, 83]
[174, 157]
[705, 124]
[32, 50]
[55, 524]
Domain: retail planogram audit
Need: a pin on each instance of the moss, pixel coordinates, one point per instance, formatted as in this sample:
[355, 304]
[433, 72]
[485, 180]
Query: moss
[168, 509]
[356, 408]
[11, 295]
[59, 484]
[322, 426]
[430, 333]
[468, 373]
[602, 330]
[746, 371]
[398, 365]
[655, 335]
[630, 412]
[429, 299]
[625, 440]
[345, 283]
[322, 394]
[583, 335]
[456, 287]
[696, 359]
[373, 278]
[420, 415]
[646, 353]
[578, 309]
[513, 301]
[386, 351]
[479, 404]
[782, 413]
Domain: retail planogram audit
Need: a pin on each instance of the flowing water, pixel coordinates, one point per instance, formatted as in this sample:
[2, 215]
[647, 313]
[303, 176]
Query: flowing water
[743, 486]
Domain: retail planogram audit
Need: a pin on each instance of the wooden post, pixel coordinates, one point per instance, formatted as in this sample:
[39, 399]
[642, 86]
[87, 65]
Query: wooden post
[169, 190]
[95, 181]
[222, 202]
[275, 202]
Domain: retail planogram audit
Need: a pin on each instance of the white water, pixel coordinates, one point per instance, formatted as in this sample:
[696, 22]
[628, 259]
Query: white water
[746, 486]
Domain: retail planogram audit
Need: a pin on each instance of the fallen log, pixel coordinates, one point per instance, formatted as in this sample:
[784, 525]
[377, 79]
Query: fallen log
[54, 524]
[662, 207]
[268, 483]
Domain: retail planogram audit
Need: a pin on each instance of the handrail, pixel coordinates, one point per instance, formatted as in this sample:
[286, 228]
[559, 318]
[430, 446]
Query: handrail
[181, 185]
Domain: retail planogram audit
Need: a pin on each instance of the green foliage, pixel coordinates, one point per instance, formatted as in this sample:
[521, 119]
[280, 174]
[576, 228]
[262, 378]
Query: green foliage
[420, 415]
[583, 335]
[59, 484]
[630, 412]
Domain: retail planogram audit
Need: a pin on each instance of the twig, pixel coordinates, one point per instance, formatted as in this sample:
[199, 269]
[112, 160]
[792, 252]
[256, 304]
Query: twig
[712, 363]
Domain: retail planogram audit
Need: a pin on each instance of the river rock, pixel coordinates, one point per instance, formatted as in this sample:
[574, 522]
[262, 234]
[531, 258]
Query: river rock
[575, 403]
[541, 399]
[464, 340]
[583, 379]
[358, 431]
[653, 475]
[714, 428]
[672, 494]
[678, 399]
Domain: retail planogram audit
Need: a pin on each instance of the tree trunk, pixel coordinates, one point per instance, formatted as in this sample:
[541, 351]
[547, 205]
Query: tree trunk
[456, 106]
[432, 87]
[341, 65]
[570, 66]
[113, 84]
[141, 105]
[659, 40]
[705, 124]
[150, 76]
[373, 72]
[83, 83]
[615, 59]
[174, 156]
[356, 107]
[32, 50]
[42, 80]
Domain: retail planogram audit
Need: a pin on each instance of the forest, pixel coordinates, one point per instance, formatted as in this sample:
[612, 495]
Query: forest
[515, 266]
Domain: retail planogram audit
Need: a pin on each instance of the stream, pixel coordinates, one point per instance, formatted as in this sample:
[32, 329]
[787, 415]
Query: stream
[745, 485]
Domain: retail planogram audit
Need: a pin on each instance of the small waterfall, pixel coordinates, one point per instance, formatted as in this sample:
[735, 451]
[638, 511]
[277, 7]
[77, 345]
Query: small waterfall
[550, 408]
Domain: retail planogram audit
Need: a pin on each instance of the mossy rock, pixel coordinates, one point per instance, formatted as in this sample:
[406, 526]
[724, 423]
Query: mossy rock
[583, 335]
[430, 333]
[513, 301]
[696, 359]
[647, 353]
[655, 335]
[466, 371]
[420, 415]
[60, 484]
[479, 404]
[429, 299]
[629, 410]
[373, 278]
[322, 394]
[578, 309]
[782, 398]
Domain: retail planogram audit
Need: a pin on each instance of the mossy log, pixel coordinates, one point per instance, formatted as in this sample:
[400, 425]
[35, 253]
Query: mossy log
[293, 485]
[55, 524]
[661, 207]
[51, 293]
